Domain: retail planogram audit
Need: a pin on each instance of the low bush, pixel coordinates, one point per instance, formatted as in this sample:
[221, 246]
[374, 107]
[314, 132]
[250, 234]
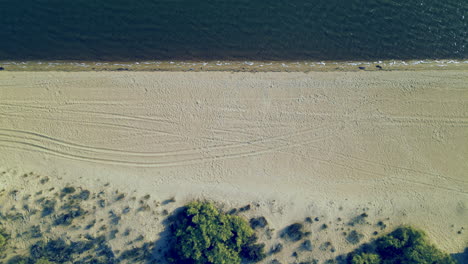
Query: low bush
[43, 261]
[259, 222]
[203, 235]
[404, 245]
[3, 242]
[293, 232]
[366, 258]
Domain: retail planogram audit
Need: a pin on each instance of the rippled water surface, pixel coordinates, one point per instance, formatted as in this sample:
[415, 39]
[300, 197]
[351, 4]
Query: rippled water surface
[233, 29]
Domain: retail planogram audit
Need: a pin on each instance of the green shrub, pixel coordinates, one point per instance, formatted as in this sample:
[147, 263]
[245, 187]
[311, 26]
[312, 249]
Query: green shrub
[205, 235]
[403, 245]
[253, 252]
[410, 245]
[20, 260]
[365, 258]
[3, 242]
[43, 261]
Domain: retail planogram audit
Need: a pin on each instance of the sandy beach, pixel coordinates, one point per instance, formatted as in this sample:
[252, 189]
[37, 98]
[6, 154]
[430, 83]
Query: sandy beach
[319, 144]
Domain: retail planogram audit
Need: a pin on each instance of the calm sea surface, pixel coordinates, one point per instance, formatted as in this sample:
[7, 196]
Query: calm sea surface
[233, 29]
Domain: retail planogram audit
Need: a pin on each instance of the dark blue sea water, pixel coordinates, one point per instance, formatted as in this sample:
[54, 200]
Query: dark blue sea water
[233, 29]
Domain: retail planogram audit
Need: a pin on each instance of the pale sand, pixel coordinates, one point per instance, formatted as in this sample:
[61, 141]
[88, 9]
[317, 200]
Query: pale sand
[298, 144]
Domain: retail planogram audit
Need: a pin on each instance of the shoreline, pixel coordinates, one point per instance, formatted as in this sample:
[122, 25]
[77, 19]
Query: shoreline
[237, 66]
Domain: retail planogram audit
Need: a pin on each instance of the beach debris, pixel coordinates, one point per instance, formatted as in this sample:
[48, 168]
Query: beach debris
[362, 68]
[378, 67]
[1, 68]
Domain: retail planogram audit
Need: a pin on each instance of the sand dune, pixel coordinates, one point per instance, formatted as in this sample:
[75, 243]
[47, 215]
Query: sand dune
[296, 143]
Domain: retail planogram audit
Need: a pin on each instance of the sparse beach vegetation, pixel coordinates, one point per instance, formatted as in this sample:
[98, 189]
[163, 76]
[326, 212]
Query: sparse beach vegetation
[403, 245]
[199, 232]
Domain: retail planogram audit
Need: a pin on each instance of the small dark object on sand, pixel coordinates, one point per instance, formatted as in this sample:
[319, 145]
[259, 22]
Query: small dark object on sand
[122, 69]
[378, 66]
[1, 68]
[362, 68]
